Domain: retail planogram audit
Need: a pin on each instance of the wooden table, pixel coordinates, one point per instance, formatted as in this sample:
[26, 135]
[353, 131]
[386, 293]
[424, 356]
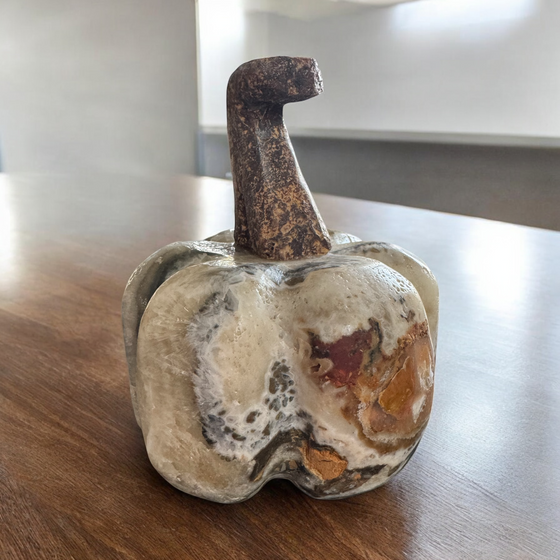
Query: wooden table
[75, 478]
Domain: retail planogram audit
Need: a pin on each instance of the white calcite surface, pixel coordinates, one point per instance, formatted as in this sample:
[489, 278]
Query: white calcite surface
[319, 371]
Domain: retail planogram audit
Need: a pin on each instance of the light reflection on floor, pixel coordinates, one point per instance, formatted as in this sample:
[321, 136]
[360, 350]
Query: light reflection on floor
[496, 260]
[7, 228]
[492, 346]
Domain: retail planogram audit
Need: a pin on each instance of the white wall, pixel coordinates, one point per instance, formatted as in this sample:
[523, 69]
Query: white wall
[228, 37]
[98, 85]
[443, 66]
[222, 36]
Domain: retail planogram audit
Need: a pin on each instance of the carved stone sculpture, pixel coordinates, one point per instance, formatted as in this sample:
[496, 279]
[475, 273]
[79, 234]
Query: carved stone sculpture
[280, 350]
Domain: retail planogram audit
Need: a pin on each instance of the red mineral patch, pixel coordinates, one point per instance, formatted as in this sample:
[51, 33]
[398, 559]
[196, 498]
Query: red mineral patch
[346, 355]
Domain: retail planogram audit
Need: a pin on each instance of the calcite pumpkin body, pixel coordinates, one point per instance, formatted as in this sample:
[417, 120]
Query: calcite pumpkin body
[243, 369]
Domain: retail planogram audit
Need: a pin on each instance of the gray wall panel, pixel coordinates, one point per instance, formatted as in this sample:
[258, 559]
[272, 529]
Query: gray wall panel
[512, 184]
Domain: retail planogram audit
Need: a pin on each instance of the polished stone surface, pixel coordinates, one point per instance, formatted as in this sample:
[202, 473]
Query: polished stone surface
[319, 371]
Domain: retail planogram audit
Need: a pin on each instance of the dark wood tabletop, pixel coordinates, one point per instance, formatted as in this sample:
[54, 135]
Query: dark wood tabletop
[75, 480]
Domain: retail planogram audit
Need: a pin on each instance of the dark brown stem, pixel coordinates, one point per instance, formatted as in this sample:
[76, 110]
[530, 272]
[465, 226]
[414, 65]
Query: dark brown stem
[275, 215]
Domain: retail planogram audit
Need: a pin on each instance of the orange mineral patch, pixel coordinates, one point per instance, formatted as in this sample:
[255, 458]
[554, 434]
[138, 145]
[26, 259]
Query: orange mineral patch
[397, 397]
[324, 463]
[388, 397]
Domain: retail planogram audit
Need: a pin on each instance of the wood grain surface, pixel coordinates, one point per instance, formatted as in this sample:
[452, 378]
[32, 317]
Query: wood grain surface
[75, 481]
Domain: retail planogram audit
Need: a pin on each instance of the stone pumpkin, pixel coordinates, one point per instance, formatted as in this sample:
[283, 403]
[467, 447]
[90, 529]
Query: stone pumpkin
[279, 350]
